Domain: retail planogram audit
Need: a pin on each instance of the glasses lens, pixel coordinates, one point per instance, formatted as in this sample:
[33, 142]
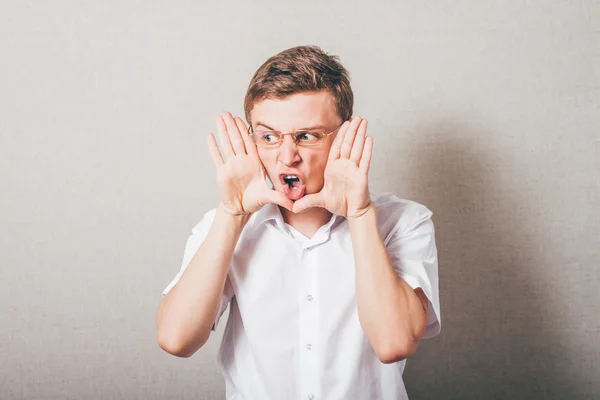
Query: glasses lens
[305, 138]
[274, 138]
[267, 138]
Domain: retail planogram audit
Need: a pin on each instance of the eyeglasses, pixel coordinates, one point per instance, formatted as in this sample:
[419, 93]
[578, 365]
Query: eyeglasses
[304, 138]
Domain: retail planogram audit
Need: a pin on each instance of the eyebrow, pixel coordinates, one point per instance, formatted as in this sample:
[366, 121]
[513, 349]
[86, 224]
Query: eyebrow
[300, 129]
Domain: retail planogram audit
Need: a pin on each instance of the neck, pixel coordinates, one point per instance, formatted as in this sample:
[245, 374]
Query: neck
[307, 222]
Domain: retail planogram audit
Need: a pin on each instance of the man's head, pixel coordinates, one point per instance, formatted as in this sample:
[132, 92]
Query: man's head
[301, 88]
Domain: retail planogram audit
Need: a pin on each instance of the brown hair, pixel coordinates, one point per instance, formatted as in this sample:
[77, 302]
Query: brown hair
[301, 69]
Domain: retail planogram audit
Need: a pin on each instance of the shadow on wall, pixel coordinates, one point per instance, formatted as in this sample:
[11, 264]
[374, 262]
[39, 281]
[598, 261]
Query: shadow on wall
[495, 341]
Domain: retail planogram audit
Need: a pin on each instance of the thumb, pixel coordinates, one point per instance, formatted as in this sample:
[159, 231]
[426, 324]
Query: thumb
[308, 201]
[273, 196]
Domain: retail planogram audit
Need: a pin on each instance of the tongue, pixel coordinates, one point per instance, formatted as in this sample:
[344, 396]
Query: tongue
[294, 192]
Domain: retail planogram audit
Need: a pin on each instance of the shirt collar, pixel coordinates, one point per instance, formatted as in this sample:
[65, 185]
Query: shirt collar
[268, 212]
[271, 211]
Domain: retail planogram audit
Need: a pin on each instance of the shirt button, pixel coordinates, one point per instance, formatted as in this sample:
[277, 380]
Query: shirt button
[309, 297]
[311, 397]
[309, 346]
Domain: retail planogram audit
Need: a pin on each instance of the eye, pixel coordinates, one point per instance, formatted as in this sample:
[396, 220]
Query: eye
[307, 136]
[268, 137]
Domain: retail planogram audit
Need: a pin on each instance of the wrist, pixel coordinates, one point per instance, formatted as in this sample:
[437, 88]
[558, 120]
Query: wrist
[232, 217]
[363, 220]
[365, 213]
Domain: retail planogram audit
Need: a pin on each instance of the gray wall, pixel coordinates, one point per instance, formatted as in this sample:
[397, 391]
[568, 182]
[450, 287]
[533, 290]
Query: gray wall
[486, 112]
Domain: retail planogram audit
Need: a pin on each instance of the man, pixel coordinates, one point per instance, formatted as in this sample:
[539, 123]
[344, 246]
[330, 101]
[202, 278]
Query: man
[330, 288]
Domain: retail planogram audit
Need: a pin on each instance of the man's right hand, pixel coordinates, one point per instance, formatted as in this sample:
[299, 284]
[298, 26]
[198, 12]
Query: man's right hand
[240, 173]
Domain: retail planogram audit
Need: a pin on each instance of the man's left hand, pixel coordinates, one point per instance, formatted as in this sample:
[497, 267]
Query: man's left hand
[346, 187]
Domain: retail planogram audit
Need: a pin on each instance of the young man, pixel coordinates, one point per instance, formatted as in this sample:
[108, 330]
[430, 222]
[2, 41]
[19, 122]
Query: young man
[330, 287]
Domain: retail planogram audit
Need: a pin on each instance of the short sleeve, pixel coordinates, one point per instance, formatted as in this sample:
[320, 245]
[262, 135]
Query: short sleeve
[412, 250]
[195, 240]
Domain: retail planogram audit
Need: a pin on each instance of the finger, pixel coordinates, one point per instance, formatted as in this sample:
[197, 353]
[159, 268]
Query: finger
[248, 142]
[349, 137]
[234, 134]
[226, 148]
[308, 201]
[365, 160]
[213, 149]
[278, 198]
[359, 141]
[334, 152]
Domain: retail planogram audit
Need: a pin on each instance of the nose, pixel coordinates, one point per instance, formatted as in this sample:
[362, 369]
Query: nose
[288, 152]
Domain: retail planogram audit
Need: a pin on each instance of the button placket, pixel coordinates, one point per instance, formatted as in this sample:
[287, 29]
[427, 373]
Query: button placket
[308, 326]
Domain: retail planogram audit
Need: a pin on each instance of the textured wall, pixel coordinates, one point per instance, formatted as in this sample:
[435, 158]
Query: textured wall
[486, 112]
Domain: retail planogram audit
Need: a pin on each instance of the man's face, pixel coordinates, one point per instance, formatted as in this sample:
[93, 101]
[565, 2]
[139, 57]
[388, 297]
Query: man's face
[302, 111]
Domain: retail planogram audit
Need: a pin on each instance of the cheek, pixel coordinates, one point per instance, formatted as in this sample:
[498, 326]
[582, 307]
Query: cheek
[268, 162]
[321, 159]
[317, 163]
[265, 158]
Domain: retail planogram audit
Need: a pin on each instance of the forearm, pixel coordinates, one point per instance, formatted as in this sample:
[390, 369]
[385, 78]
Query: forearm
[390, 312]
[187, 313]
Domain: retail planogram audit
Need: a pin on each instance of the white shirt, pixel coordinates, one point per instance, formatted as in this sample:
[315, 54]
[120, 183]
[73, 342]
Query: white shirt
[293, 331]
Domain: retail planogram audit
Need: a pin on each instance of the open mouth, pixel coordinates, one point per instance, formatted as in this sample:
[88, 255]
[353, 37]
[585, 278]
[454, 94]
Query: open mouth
[293, 186]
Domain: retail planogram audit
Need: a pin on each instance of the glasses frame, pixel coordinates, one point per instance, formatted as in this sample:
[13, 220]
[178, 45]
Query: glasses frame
[293, 133]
